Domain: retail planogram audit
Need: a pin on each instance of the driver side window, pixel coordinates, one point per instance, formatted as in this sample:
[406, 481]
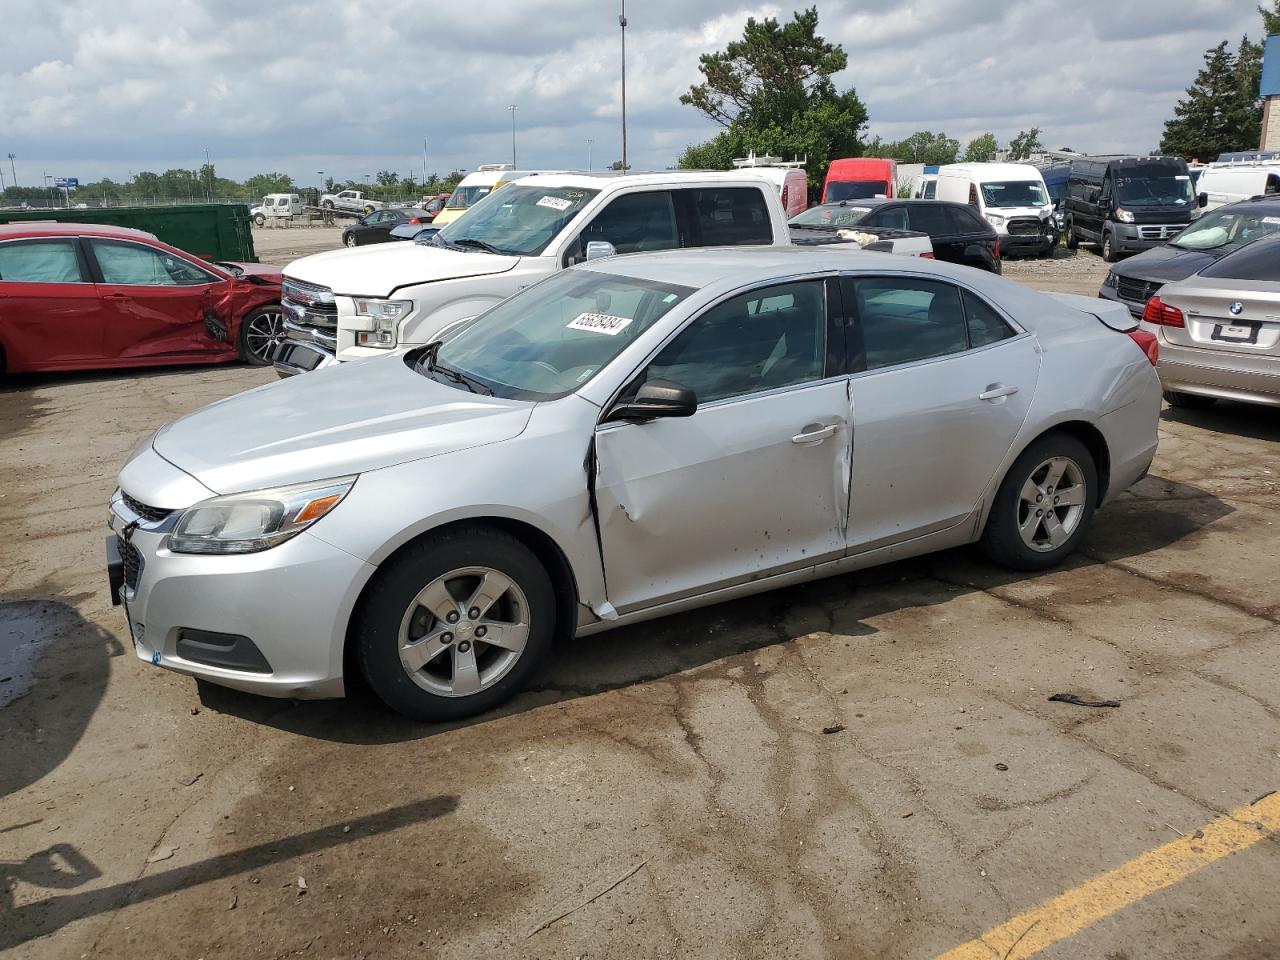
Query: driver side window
[138, 265]
[763, 340]
[633, 222]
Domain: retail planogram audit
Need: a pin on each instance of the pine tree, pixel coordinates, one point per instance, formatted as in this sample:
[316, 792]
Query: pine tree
[1214, 117]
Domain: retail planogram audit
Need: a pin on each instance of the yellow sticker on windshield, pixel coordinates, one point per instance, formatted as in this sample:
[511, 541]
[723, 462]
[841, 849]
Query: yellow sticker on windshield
[599, 323]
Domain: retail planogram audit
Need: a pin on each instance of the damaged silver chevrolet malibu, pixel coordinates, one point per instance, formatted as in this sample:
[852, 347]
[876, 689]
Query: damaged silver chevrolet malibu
[626, 439]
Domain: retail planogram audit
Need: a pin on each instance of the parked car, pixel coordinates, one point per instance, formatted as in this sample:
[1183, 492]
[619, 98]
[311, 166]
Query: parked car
[1219, 331]
[1011, 197]
[1214, 235]
[629, 438]
[433, 204]
[471, 189]
[957, 232]
[858, 178]
[1127, 204]
[421, 232]
[350, 201]
[376, 227]
[788, 176]
[1222, 183]
[350, 304]
[78, 296]
[277, 205]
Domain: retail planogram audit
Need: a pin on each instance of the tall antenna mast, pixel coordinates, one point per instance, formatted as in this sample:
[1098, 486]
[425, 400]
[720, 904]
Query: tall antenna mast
[622, 22]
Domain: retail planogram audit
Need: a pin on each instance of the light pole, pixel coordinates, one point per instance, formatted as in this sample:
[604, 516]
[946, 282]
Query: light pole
[13, 169]
[589, 143]
[513, 108]
[622, 22]
[424, 164]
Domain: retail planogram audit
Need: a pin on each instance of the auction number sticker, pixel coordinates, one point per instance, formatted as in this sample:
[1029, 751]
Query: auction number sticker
[600, 323]
[555, 203]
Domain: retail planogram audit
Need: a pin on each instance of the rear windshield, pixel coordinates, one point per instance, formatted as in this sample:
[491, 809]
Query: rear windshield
[856, 190]
[1257, 261]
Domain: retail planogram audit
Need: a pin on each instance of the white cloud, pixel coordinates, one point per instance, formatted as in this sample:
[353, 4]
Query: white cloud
[91, 88]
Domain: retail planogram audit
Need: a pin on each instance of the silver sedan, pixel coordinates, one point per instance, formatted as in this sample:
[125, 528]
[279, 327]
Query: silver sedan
[625, 440]
[1219, 331]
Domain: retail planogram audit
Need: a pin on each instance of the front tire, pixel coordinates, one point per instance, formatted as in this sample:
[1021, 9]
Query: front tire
[260, 332]
[1043, 506]
[259, 219]
[1188, 401]
[328, 204]
[1108, 248]
[456, 624]
[349, 240]
[1072, 240]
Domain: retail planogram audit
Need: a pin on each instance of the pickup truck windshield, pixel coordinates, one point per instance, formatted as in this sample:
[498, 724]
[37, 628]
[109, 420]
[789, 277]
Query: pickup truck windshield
[1014, 193]
[517, 221]
[546, 342]
[1153, 191]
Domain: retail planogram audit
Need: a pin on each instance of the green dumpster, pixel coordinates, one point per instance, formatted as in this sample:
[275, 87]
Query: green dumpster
[212, 231]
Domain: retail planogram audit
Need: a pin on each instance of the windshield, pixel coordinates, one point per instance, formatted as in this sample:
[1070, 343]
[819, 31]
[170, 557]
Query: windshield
[517, 221]
[1224, 230]
[1014, 193]
[856, 190]
[1154, 191]
[829, 215]
[546, 342]
[463, 197]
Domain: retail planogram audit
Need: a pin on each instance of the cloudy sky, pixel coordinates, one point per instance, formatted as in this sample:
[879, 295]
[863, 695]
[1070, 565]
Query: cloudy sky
[90, 88]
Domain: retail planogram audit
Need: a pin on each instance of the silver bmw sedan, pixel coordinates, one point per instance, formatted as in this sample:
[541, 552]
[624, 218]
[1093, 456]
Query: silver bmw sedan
[627, 439]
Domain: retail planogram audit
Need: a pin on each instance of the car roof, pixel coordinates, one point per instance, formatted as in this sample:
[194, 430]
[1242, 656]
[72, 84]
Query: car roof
[51, 228]
[601, 178]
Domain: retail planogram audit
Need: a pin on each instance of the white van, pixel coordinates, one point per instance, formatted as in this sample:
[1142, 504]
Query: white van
[788, 176]
[282, 205]
[471, 188]
[1221, 183]
[1011, 197]
[924, 186]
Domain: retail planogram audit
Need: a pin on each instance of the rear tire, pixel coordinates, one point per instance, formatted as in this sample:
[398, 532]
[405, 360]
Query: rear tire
[1188, 401]
[328, 204]
[430, 668]
[1072, 240]
[1044, 505]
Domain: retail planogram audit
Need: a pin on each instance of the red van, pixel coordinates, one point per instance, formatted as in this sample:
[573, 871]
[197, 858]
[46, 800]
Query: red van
[860, 178]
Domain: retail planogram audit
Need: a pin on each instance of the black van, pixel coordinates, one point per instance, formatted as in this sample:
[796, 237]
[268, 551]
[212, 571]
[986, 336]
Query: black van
[1127, 204]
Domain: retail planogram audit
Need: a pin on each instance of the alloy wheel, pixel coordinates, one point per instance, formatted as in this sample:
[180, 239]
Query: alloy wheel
[1051, 504]
[351, 240]
[264, 331]
[464, 631]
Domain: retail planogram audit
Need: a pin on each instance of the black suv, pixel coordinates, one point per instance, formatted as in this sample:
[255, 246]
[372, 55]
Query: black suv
[1215, 234]
[958, 232]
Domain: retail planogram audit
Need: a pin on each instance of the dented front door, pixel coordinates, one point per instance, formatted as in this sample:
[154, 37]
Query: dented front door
[742, 489]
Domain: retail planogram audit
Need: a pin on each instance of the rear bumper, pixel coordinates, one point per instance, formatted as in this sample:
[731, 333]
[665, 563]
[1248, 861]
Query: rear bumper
[1212, 373]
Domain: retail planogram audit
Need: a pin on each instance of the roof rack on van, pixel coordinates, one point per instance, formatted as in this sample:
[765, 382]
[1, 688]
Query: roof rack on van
[1248, 155]
[493, 167]
[751, 160]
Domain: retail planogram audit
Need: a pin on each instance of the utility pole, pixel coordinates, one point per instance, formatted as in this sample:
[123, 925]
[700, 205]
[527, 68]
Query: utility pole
[13, 169]
[513, 108]
[589, 143]
[424, 165]
[622, 22]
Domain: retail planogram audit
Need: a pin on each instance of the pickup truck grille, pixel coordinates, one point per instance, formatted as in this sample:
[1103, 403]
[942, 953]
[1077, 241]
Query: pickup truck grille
[309, 305]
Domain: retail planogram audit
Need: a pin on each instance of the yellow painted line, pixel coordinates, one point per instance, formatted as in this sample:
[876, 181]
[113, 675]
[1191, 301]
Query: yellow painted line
[1068, 913]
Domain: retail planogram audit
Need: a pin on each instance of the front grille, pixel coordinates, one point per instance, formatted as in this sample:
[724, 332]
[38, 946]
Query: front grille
[147, 513]
[309, 305]
[132, 562]
[1024, 227]
[1162, 231]
[1136, 291]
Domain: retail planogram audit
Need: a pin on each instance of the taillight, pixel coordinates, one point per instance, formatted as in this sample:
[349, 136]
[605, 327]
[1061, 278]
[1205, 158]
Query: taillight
[997, 246]
[927, 255]
[1147, 343]
[1161, 314]
[414, 220]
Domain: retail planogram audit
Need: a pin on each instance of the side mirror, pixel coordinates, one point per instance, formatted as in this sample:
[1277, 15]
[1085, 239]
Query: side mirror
[654, 399]
[596, 249]
[1202, 200]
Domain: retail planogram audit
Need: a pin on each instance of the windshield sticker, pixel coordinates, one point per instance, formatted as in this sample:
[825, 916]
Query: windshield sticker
[1181, 176]
[555, 203]
[599, 323]
[1271, 219]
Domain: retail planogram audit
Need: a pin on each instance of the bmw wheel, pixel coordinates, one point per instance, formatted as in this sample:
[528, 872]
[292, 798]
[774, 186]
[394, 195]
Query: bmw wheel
[456, 624]
[260, 332]
[1043, 506]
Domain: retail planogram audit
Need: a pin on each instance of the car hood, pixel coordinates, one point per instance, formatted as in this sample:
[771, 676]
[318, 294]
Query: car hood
[332, 422]
[380, 270]
[264, 271]
[1165, 264]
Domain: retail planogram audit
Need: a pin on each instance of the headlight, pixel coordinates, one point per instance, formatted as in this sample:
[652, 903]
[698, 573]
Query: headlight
[1111, 280]
[250, 522]
[1123, 215]
[995, 219]
[385, 314]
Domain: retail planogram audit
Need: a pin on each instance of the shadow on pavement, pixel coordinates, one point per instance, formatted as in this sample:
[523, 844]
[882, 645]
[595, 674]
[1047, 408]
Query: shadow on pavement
[63, 867]
[1227, 416]
[1155, 517]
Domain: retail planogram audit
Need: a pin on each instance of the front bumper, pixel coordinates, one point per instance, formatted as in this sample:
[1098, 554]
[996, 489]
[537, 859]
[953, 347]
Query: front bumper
[291, 603]
[1027, 243]
[1135, 237]
[293, 357]
[1218, 373]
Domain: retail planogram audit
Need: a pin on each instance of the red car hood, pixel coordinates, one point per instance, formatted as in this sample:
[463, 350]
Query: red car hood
[266, 271]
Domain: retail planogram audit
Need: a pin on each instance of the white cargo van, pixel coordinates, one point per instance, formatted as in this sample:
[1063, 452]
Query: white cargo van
[1011, 197]
[1228, 182]
[277, 205]
[788, 176]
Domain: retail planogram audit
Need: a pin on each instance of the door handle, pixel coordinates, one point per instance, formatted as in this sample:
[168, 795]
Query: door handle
[995, 391]
[815, 433]
[116, 296]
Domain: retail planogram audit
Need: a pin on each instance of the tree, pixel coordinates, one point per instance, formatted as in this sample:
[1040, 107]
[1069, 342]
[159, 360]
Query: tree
[981, 149]
[387, 178]
[921, 147]
[1026, 143]
[1270, 18]
[617, 165]
[1219, 113]
[260, 184]
[772, 93]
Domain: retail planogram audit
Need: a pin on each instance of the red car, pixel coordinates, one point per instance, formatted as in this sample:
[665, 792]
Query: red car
[79, 296]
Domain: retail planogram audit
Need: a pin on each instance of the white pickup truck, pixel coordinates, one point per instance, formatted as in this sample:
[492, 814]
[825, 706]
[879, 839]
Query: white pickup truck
[350, 201]
[366, 301]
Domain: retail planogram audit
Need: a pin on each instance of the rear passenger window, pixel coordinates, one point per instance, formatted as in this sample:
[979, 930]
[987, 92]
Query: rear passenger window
[985, 325]
[894, 217]
[39, 261]
[904, 319]
[731, 216]
[930, 219]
